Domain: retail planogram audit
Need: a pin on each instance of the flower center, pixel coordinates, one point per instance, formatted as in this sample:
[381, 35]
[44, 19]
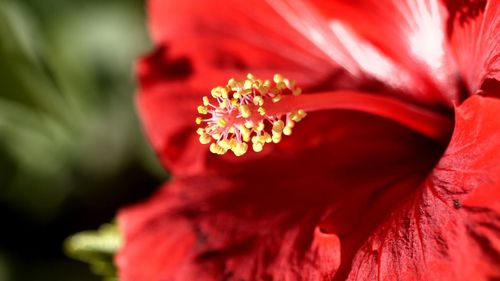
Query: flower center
[262, 111]
[245, 111]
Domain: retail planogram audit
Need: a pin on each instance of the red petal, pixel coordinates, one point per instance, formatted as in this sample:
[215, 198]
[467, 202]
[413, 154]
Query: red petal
[410, 35]
[155, 253]
[474, 30]
[234, 36]
[168, 94]
[449, 229]
[271, 217]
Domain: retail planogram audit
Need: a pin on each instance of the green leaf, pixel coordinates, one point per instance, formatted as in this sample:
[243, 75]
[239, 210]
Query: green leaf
[96, 248]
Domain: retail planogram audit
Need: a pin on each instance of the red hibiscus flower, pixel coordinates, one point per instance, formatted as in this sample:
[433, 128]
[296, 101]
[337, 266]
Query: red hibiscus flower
[393, 175]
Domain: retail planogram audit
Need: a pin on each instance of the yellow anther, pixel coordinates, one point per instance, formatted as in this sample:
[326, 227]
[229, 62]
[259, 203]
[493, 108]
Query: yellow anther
[216, 136]
[260, 138]
[261, 111]
[277, 78]
[246, 92]
[202, 109]
[217, 149]
[298, 115]
[290, 123]
[233, 143]
[263, 138]
[222, 122]
[198, 120]
[301, 114]
[280, 85]
[256, 84]
[200, 131]
[234, 102]
[232, 82]
[263, 90]
[260, 126]
[278, 126]
[247, 85]
[236, 96]
[224, 92]
[276, 137]
[277, 130]
[258, 100]
[249, 124]
[250, 76]
[223, 104]
[240, 149]
[205, 139]
[214, 147]
[297, 91]
[245, 111]
[206, 102]
[245, 133]
[215, 92]
[226, 144]
[289, 83]
[287, 131]
[257, 146]
[268, 138]
[276, 98]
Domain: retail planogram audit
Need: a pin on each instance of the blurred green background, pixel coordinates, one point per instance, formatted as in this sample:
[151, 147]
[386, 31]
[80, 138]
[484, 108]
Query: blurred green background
[71, 148]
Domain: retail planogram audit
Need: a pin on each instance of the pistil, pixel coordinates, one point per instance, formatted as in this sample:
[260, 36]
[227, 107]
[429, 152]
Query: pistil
[262, 111]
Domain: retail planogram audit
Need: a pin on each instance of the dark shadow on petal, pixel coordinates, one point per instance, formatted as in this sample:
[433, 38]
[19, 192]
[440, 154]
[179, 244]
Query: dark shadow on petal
[159, 66]
[464, 11]
[490, 88]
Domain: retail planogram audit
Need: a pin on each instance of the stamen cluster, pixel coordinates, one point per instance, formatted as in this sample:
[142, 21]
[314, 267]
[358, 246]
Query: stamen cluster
[239, 113]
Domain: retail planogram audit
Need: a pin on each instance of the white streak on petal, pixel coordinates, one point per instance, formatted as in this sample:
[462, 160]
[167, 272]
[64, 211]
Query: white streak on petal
[314, 27]
[369, 58]
[427, 37]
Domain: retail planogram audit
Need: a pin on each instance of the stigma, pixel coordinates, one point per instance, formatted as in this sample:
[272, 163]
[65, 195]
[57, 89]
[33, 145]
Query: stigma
[246, 113]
